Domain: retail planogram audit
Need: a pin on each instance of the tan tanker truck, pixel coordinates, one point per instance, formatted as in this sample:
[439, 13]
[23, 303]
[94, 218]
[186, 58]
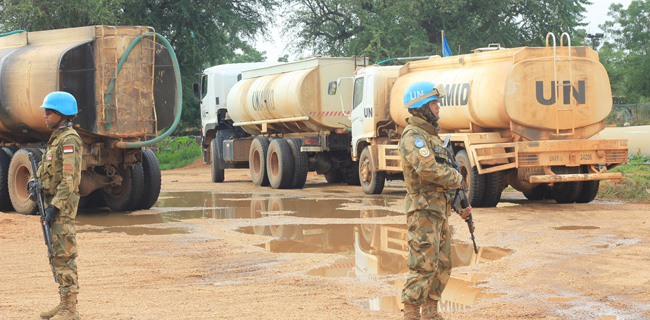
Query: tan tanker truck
[127, 87]
[279, 121]
[519, 117]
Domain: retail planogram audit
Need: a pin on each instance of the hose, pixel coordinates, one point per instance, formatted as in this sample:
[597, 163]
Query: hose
[179, 92]
[12, 32]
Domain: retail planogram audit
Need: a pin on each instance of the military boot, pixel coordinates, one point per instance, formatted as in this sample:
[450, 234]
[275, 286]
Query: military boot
[53, 312]
[68, 310]
[411, 311]
[430, 311]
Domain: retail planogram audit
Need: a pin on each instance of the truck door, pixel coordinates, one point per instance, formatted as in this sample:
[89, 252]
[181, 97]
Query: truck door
[361, 114]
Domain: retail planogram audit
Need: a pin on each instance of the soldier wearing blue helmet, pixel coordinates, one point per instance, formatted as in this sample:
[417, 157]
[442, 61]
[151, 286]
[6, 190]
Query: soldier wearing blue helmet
[59, 173]
[430, 183]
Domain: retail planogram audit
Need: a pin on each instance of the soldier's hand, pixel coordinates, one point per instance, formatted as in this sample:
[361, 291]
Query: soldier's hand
[466, 212]
[33, 189]
[50, 212]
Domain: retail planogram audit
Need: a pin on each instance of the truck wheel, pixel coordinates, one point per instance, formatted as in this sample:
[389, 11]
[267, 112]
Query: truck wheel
[372, 181]
[335, 175]
[352, 174]
[5, 201]
[151, 171]
[539, 192]
[93, 200]
[127, 196]
[589, 191]
[20, 171]
[301, 162]
[215, 161]
[493, 189]
[257, 161]
[475, 182]
[566, 192]
[279, 164]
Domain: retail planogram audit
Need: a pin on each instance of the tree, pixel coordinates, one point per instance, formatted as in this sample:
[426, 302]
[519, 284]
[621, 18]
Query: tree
[202, 32]
[625, 53]
[389, 28]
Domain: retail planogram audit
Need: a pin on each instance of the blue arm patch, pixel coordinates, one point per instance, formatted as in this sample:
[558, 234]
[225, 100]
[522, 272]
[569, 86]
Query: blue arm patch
[419, 143]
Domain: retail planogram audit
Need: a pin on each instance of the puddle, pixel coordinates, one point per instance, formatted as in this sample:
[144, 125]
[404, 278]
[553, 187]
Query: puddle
[576, 228]
[138, 231]
[374, 250]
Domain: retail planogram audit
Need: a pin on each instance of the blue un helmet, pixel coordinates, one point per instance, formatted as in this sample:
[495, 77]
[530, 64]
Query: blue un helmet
[61, 102]
[419, 94]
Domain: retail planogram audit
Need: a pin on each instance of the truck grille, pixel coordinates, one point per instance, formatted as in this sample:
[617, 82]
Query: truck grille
[528, 160]
[616, 156]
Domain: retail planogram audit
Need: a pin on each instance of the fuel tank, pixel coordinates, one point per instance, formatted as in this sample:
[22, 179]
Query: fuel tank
[536, 92]
[83, 62]
[292, 97]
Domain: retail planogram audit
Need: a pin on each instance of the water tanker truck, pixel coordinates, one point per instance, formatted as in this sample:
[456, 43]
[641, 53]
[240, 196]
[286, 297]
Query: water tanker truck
[127, 88]
[278, 121]
[519, 117]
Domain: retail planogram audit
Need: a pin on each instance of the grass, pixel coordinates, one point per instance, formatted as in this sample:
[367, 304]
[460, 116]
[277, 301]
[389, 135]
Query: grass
[635, 184]
[177, 152]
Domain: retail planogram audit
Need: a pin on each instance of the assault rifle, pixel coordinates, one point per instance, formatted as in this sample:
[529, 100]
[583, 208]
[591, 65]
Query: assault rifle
[460, 199]
[47, 233]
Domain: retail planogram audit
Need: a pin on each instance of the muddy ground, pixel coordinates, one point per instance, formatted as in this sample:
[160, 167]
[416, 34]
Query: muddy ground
[235, 251]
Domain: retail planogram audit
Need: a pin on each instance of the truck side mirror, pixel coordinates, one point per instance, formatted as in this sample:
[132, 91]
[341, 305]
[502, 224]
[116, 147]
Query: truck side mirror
[331, 88]
[439, 91]
[197, 94]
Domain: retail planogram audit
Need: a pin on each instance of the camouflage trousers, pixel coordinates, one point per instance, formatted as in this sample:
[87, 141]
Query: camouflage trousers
[64, 243]
[429, 261]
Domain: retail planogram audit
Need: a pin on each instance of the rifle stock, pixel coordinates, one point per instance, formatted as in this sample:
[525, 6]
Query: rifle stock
[47, 233]
[460, 201]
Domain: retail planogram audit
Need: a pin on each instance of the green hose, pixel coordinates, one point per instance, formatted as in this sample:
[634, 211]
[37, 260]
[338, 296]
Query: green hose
[12, 32]
[179, 91]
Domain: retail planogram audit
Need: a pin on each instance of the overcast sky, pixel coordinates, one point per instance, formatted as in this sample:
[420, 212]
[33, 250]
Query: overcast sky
[595, 15]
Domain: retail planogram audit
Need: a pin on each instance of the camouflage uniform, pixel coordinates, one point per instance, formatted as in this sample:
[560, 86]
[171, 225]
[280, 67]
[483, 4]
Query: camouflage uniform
[428, 206]
[60, 174]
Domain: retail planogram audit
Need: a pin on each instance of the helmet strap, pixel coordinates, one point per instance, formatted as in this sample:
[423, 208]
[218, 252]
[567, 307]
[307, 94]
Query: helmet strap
[426, 114]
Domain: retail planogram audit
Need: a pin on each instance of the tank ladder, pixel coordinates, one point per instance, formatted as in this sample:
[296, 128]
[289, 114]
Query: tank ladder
[108, 65]
[566, 86]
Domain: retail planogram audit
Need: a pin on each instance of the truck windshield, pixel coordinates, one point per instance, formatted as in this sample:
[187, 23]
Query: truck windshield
[358, 93]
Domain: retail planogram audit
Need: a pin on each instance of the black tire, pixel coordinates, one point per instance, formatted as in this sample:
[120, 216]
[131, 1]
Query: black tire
[566, 192]
[301, 162]
[127, 196]
[93, 200]
[539, 192]
[20, 171]
[257, 161]
[372, 181]
[475, 182]
[5, 201]
[493, 189]
[216, 165]
[589, 191]
[279, 164]
[152, 179]
[335, 175]
[352, 174]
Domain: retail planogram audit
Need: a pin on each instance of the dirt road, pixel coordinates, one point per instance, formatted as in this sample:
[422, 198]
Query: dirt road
[235, 251]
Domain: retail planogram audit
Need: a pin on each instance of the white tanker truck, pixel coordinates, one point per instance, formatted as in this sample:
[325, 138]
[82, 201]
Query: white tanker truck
[127, 87]
[519, 116]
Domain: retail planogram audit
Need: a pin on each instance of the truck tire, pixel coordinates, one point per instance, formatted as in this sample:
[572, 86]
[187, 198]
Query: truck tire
[589, 191]
[5, 201]
[257, 161]
[93, 200]
[127, 196]
[152, 179]
[475, 182]
[567, 192]
[352, 174]
[20, 171]
[279, 164]
[539, 192]
[493, 189]
[372, 181]
[216, 167]
[335, 175]
[301, 162]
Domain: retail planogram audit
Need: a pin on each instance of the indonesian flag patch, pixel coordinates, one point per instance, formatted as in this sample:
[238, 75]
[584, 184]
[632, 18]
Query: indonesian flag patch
[68, 149]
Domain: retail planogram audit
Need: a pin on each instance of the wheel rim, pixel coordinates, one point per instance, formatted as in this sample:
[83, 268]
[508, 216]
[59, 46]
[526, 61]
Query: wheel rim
[365, 171]
[20, 184]
[256, 163]
[274, 164]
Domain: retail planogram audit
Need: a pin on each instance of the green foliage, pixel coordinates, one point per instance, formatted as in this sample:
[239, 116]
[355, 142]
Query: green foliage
[635, 184]
[383, 29]
[625, 52]
[178, 152]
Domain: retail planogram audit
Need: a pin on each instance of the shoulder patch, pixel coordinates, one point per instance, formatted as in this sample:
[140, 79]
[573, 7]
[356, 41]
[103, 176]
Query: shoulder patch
[68, 149]
[425, 152]
[419, 143]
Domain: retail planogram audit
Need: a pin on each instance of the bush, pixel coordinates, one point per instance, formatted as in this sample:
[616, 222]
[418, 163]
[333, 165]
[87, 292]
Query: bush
[635, 184]
[178, 152]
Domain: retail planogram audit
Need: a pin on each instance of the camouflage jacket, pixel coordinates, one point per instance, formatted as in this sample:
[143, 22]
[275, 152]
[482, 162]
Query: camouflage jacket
[60, 169]
[426, 179]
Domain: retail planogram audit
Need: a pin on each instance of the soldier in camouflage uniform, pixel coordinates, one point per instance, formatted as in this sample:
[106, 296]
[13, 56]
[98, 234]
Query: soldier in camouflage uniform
[430, 183]
[60, 174]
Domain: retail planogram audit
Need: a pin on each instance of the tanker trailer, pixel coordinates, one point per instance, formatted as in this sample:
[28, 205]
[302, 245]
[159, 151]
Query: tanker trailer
[281, 124]
[122, 104]
[519, 116]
